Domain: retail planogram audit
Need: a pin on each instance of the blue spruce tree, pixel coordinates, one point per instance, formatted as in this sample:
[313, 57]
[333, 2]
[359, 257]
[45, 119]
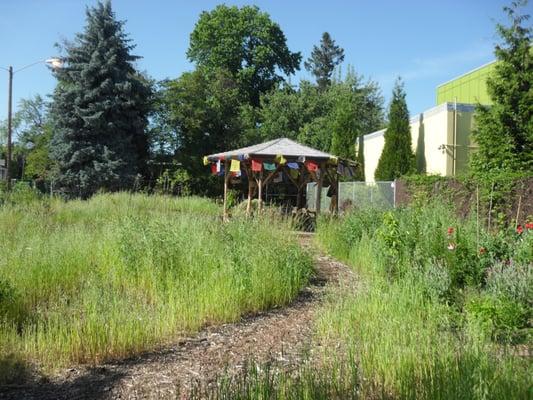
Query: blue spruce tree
[99, 109]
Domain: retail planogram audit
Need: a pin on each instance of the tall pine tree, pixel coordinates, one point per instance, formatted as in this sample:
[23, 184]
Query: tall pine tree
[324, 59]
[397, 158]
[99, 109]
[504, 131]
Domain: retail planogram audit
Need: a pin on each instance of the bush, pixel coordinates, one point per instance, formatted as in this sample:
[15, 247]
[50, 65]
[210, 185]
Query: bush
[502, 319]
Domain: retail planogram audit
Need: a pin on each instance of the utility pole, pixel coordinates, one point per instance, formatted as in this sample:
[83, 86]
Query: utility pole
[9, 127]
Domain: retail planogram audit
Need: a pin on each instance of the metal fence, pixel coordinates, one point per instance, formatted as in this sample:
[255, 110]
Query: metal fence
[355, 195]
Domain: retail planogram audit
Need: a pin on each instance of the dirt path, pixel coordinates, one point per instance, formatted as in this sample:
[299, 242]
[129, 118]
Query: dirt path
[279, 335]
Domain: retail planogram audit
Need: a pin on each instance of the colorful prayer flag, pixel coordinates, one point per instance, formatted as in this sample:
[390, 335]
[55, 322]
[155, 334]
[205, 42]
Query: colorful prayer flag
[235, 166]
[219, 166]
[269, 166]
[311, 166]
[280, 159]
[213, 169]
[206, 161]
[294, 173]
[293, 165]
[257, 166]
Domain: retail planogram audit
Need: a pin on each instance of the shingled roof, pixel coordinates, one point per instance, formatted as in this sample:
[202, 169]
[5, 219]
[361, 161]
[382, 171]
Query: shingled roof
[285, 147]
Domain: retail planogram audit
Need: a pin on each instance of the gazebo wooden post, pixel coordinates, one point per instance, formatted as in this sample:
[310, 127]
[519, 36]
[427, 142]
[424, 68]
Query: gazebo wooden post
[318, 199]
[250, 190]
[337, 192]
[260, 191]
[226, 178]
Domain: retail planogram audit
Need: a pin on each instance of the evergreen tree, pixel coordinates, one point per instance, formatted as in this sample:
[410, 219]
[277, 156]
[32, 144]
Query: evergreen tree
[397, 158]
[504, 130]
[324, 59]
[99, 110]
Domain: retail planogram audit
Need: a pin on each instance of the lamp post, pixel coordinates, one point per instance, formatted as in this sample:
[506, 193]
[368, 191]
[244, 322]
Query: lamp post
[54, 63]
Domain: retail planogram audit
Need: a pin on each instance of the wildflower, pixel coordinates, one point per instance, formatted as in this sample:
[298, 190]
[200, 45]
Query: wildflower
[451, 246]
[450, 231]
[529, 225]
[482, 250]
[519, 229]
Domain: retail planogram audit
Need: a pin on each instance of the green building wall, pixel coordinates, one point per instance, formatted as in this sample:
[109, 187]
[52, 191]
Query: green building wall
[469, 88]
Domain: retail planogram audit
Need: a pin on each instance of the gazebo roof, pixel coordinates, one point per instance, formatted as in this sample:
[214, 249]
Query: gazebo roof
[283, 146]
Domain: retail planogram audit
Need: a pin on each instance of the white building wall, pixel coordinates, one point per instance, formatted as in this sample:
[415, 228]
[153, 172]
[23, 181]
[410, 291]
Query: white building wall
[433, 131]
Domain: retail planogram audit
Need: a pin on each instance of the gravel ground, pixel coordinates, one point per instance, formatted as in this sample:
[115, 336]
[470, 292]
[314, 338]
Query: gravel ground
[281, 335]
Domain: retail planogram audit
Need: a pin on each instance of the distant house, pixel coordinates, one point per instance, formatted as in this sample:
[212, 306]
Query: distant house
[441, 136]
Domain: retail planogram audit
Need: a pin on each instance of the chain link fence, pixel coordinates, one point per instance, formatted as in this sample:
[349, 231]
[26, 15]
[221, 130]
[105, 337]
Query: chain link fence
[355, 195]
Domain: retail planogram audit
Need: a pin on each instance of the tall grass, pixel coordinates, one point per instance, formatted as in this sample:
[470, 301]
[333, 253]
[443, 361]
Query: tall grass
[409, 329]
[86, 281]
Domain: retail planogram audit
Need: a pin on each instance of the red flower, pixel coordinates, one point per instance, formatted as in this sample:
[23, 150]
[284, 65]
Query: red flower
[519, 229]
[450, 231]
[482, 250]
[529, 225]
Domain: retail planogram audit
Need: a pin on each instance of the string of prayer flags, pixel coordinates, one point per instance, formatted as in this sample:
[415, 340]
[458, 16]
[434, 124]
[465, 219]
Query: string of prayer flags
[293, 165]
[269, 166]
[280, 159]
[311, 166]
[206, 161]
[257, 166]
[235, 166]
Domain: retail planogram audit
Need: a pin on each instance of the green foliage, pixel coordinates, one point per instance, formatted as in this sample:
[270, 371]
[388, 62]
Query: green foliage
[330, 119]
[86, 281]
[500, 318]
[99, 110]
[504, 131]
[324, 59]
[397, 158]
[246, 43]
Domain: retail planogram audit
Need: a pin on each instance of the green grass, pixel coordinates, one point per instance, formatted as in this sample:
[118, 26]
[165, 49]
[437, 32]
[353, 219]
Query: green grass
[86, 281]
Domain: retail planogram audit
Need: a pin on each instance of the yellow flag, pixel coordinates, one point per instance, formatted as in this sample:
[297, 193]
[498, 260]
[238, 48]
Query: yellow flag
[280, 159]
[235, 166]
[206, 161]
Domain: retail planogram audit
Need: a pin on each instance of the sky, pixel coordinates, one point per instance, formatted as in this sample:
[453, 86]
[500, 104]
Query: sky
[425, 42]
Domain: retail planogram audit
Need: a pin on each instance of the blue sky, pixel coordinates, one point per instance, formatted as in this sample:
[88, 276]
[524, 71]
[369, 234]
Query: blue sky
[426, 42]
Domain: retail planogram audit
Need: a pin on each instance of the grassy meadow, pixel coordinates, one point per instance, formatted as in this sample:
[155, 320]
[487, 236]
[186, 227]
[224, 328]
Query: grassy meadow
[86, 281]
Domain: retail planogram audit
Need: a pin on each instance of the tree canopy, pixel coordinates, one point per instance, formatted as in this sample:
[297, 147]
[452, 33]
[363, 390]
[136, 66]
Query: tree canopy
[245, 42]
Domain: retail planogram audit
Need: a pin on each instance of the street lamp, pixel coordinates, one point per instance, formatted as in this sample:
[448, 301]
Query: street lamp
[54, 63]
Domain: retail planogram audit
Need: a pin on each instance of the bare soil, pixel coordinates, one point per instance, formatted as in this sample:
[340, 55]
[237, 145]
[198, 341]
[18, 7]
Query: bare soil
[281, 335]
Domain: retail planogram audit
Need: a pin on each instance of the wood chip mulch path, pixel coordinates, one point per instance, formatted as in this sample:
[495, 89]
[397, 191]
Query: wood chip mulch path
[281, 335]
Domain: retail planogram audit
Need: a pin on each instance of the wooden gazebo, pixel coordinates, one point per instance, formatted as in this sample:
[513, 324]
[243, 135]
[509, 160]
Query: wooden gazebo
[262, 162]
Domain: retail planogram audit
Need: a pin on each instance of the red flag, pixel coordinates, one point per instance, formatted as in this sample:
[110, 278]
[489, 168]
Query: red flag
[213, 169]
[311, 166]
[257, 166]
